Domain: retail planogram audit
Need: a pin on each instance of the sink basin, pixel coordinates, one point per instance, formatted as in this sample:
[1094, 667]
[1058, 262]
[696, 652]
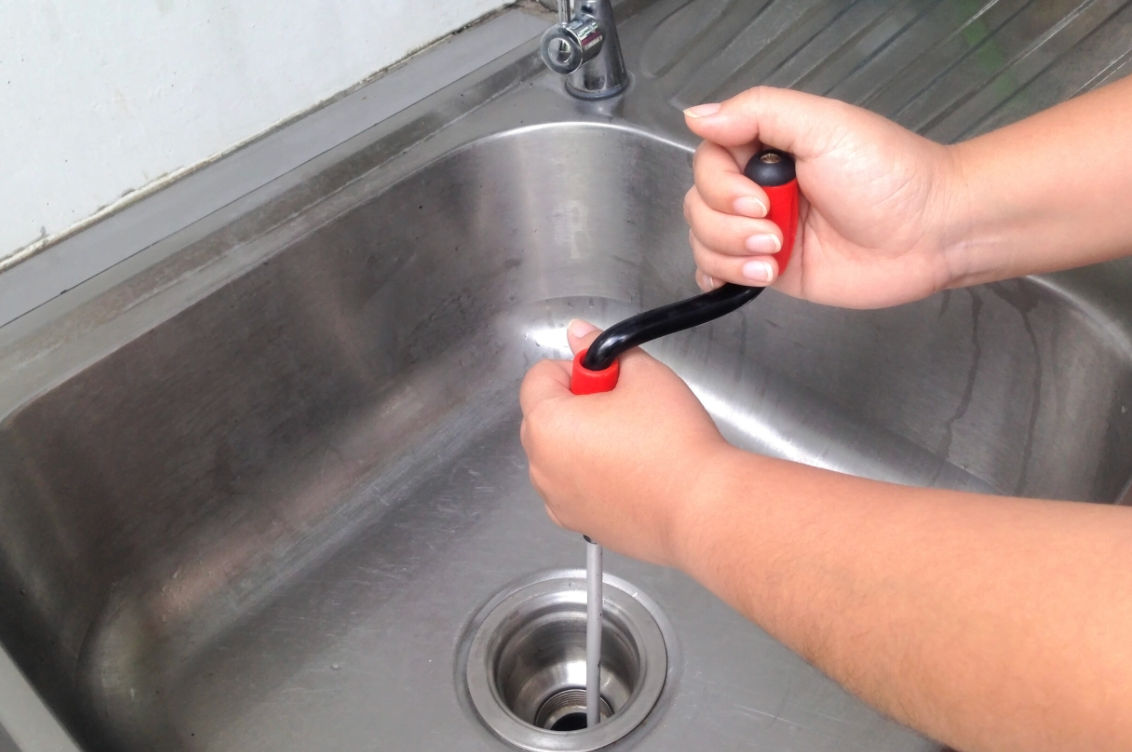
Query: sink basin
[252, 497]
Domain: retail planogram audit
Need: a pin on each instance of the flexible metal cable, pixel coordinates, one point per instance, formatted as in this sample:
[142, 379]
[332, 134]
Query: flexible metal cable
[593, 633]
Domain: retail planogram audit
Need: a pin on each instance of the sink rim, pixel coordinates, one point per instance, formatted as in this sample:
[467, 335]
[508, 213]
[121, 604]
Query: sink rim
[145, 312]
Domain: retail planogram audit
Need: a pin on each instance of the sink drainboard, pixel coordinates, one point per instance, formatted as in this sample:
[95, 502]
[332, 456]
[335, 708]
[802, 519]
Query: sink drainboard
[526, 662]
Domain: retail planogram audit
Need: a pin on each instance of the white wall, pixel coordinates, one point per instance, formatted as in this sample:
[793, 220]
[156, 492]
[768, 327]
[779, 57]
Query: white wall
[101, 98]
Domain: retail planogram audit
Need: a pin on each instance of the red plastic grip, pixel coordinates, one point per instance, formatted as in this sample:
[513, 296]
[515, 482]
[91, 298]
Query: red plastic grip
[784, 213]
[585, 381]
[774, 171]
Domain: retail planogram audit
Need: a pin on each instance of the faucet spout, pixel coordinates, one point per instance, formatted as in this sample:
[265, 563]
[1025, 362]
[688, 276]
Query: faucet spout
[584, 47]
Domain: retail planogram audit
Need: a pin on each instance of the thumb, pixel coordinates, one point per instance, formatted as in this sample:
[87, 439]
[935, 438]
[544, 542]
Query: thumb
[581, 334]
[781, 118]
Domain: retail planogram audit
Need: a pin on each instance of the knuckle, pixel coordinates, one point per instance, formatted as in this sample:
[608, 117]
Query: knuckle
[710, 263]
[698, 154]
[539, 430]
[698, 247]
[704, 258]
[536, 482]
[753, 96]
[695, 208]
[552, 515]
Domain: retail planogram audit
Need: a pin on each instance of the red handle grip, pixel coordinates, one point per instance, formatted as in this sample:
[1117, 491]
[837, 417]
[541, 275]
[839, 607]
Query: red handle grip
[784, 213]
[585, 381]
[774, 171]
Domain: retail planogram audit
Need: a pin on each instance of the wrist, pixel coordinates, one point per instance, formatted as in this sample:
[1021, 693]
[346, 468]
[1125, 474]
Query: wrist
[1037, 195]
[695, 513]
[962, 246]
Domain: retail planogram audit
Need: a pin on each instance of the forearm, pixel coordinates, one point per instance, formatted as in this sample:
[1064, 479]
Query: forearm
[1046, 193]
[991, 623]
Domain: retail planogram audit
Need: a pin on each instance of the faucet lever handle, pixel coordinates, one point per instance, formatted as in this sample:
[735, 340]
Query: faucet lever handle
[565, 47]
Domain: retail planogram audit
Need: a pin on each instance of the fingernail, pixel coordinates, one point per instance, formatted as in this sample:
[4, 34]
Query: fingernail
[749, 206]
[579, 328]
[758, 271]
[765, 243]
[703, 110]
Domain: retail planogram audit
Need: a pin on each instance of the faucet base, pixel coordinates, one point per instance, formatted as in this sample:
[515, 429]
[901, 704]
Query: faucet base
[604, 92]
[586, 49]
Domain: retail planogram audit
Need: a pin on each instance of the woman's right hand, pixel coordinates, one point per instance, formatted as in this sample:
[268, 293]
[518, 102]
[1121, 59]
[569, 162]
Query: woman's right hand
[876, 211]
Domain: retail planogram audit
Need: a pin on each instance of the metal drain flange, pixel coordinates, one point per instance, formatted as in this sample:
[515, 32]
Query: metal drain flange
[526, 663]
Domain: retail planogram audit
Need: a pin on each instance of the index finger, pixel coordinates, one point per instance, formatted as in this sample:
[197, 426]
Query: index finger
[718, 175]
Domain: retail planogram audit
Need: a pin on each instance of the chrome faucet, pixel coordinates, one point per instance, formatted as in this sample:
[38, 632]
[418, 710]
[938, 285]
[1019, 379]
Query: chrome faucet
[583, 45]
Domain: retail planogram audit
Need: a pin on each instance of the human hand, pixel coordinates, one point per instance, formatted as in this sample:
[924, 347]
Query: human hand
[619, 465]
[875, 214]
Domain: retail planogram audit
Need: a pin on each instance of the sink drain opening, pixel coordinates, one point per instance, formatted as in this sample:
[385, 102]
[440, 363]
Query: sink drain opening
[526, 664]
[566, 710]
[539, 659]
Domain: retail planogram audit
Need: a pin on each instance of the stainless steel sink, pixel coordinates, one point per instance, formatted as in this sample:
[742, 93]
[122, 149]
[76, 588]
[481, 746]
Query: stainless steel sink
[253, 495]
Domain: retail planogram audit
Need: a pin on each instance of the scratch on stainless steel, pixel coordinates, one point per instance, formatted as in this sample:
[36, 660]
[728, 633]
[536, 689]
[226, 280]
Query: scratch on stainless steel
[251, 495]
